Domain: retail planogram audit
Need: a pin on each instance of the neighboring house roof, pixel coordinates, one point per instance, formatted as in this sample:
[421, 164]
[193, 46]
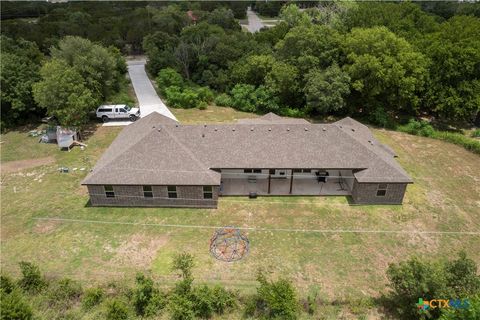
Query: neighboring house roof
[158, 150]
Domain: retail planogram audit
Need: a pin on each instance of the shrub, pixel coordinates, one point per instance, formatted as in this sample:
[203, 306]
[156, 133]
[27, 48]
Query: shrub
[178, 98]
[116, 310]
[462, 275]
[184, 263]
[202, 299]
[168, 77]
[14, 306]
[414, 278]
[423, 128]
[202, 105]
[476, 133]
[380, 117]
[243, 97]
[64, 292]
[223, 100]
[472, 312]
[92, 297]
[146, 298]
[419, 128]
[246, 97]
[274, 299]
[32, 279]
[6, 284]
[289, 112]
[204, 94]
[458, 139]
[222, 300]
[156, 304]
[181, 308]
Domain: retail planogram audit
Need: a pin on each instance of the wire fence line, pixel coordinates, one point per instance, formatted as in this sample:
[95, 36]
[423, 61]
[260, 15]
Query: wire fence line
[261, 229]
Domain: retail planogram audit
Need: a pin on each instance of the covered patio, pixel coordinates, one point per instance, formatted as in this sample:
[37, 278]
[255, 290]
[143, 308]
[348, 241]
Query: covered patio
[300, 185]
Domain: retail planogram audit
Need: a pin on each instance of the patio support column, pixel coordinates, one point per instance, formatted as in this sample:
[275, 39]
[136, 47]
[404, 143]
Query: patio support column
[269, 178]
[291, 181]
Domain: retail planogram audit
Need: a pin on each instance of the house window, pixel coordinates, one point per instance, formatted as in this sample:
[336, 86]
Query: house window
[257, 170]
[271, 171]
[306, 171]
[207, 192]
[281, 172]
[382, 190]
[109, 193]
[147, 192]
[247, 171]
[172, 192]
[297, 170]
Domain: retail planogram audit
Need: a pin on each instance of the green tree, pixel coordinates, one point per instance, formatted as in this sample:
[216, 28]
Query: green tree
[406, 19]
[64, 93]
[309, 47]
[454, 89]
[326, 90]
[224, 18]
[385, 70]
[168, 77]
[19, 71]
[292, 15]
[253, 69]
[282, 80]
[100, 67]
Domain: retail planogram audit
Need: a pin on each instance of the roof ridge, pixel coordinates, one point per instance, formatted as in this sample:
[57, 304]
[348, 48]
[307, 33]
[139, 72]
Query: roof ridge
[188, 151]
[97, 169]
[377, 156]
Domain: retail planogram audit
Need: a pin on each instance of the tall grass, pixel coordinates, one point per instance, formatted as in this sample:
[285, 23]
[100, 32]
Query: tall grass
[423, 128]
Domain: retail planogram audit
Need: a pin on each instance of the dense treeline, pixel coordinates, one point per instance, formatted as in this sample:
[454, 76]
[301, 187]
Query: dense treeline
[380, 61]
[33, 295]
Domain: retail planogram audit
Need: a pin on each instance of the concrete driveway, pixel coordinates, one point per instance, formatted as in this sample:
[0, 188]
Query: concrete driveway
[254, 22]
[147, 97]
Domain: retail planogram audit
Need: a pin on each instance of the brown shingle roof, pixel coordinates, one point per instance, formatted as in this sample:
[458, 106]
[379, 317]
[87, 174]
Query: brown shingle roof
[272, 118]
[160, 152]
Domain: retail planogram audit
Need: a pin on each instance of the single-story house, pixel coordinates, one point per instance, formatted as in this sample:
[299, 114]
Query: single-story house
[159, 162]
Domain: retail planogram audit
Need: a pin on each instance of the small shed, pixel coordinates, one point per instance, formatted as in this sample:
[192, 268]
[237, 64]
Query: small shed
[66, 137]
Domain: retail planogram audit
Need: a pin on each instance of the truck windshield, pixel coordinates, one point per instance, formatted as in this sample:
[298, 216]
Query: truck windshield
[127, 108]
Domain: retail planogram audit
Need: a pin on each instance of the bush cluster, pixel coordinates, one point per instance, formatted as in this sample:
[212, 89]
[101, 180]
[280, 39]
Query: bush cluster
[416, 278]
[181, 94]
[423, 128]
[274, 299]
[248, 98]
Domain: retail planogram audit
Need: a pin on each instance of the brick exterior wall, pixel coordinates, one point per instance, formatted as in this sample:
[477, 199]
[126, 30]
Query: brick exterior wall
[366, 193]
[132, 196]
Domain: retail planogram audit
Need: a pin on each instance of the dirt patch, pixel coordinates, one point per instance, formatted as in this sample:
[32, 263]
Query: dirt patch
[19, 165]
[45, 226]
[139, 250]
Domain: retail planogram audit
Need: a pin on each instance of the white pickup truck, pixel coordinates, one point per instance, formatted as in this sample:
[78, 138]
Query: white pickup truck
[117, 111]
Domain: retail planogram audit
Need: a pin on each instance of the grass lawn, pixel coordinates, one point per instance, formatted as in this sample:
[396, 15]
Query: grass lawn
[342, 266]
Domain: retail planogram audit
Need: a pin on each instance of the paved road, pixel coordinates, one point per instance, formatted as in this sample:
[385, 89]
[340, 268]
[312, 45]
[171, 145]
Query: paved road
[254, 22]
[147, 97]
